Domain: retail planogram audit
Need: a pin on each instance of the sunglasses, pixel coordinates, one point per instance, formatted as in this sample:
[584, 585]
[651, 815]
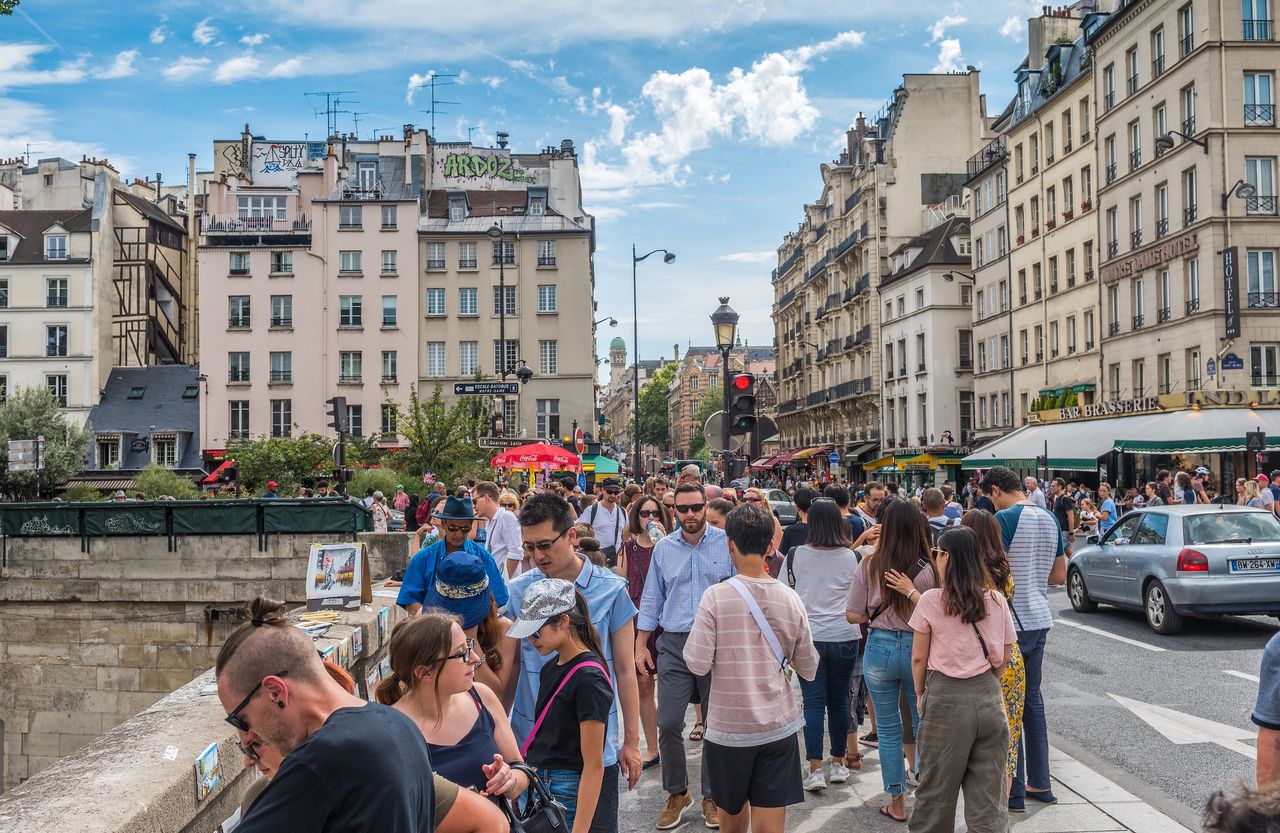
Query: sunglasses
[650, 513]
[464, 654]
[457, 527]
[690, 507]
[614, 492]
[753, 499]
[234, 717]
[542, 546]
[250, 751]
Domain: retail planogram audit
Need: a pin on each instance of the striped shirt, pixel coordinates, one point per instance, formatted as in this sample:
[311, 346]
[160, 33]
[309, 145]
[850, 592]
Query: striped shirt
[752, 701]
[1032, 541]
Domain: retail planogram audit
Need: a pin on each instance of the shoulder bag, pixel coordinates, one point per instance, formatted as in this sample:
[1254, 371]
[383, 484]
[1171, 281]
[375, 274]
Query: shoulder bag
[985, 653]
[536, 811]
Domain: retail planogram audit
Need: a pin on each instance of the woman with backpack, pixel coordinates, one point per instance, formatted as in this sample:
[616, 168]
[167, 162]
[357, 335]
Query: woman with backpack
[963, 636]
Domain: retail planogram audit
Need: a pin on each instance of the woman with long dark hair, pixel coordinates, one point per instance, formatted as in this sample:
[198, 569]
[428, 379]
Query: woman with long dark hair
[963, 634]
[901, 552]
[1013, 680]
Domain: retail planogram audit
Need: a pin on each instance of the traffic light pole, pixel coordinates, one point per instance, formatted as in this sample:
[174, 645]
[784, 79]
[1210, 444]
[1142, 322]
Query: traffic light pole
[725, 421]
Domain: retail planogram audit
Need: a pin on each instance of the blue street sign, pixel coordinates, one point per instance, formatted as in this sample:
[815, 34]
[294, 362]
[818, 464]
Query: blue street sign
[582, 481]
[1211, 367]
[1231, 361]
[833, 457]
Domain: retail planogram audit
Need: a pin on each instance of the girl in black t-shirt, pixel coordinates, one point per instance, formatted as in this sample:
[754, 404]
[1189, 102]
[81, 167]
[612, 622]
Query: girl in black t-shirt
[566, 744]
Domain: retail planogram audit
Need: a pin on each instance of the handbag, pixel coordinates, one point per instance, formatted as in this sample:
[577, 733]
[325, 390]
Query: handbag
[538, 812]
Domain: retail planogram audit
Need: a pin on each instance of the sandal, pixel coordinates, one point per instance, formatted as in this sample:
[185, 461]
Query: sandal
[884, 811]
[696, 734]
[853, 760]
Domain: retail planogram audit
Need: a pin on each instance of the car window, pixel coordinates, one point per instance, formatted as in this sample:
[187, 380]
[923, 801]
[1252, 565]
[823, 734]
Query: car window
[778, 494]
[1122, 532]
[1152, 528]
[1214, 527]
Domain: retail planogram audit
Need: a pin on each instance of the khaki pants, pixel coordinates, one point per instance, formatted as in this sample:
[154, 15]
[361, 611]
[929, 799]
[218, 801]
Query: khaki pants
[963, 744]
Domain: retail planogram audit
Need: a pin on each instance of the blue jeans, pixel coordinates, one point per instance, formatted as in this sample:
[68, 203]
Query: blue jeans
[563, 786]
[886, 667]
[1033, 751]
[828, 694]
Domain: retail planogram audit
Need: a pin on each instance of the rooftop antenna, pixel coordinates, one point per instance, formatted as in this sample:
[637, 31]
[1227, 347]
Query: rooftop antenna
[27, 155]
[471, 130]
[433, 82]
[332, 101]
[384, 131]
[355, 117]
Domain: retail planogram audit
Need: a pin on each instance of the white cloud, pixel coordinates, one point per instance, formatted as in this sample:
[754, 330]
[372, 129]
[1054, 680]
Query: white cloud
[25, 123]
[949, 57]
[185, 67]
[618, 119]
[17, 67]
[122, 67]
[288, 68]
[493, 81]
[749, 257]
[938, 30]
[158, 35]
[1012, 28]
[237, 69]
[417, 82]
[205, 32]
[254, 40]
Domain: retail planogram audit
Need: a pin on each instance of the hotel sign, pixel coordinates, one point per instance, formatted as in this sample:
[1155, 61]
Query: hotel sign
[1119, 407]
[1176, 247]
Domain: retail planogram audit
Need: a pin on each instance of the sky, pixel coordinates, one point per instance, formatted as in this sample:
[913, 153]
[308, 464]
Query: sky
[700, 124]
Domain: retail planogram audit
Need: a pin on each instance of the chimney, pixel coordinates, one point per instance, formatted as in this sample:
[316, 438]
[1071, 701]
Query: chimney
[503, 136]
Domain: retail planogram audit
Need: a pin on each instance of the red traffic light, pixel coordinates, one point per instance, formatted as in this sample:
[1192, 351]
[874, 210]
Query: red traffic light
[742, 381]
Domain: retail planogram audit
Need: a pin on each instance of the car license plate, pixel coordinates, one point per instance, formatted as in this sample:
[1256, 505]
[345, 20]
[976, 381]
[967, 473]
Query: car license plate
[1239, 565]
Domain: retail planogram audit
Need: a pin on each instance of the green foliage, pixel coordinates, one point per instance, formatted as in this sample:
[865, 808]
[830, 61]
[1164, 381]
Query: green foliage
[81, 492]
[286, 460]
[654, 428]
[156, 481]
[33, 412]
[712, 400]
[442, 438]
[7, 6]
[382, 480]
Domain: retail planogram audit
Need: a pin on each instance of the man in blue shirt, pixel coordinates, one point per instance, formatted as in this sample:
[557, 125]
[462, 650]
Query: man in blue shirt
[550, 542]
[457, 517]
[682, 567]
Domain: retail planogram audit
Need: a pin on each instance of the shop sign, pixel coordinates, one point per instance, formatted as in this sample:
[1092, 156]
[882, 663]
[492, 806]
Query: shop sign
[1230, 296]
[1142, 404]
[1177, 247]
[1208, 396]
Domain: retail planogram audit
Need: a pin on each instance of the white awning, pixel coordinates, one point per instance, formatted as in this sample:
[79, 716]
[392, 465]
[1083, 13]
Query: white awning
[1071, 446]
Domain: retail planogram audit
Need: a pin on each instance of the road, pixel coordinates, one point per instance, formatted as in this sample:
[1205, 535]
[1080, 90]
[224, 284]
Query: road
[1085, 671]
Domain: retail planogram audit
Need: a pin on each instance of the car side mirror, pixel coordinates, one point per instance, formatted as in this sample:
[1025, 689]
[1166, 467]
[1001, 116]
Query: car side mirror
[1092, 539]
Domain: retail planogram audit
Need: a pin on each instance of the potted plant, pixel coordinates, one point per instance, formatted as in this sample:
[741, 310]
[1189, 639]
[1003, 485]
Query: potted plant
[1035, 232]
[1022, 238]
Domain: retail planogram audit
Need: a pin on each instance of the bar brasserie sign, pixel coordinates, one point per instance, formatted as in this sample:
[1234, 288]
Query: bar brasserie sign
[1116, 407]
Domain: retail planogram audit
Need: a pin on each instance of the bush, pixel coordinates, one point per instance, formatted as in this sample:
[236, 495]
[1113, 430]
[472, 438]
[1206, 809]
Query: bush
[156, 481]
[383, 480]
[81, 492]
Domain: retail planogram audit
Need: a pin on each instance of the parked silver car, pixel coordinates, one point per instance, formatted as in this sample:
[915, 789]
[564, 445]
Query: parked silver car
[781, 502]
[1178, 561]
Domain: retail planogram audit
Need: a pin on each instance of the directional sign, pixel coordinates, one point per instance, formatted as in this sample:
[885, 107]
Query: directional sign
[1255, 441]
[485, 388]
[24, 455]
[1184, 729]
[509, 442]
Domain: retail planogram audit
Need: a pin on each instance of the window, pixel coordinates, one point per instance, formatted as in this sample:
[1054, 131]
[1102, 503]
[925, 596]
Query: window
[1186, 29]
[281, 310]
[1024, 346]
[1135, 145]
[238, 312]
[350, 261]
[548, 357]
[164, 451]
[389, 427]
[389, 311]
[435, 255]
[888, 361]
[537, 206]
[4, 293]
[966, 349]
[510, 292]
[367, 177]
[281, 417]
[435, 358]
[1109, 157]
[388, 261]
[1038, 338]
[1259, 106]
[350, 367]
[1193, 286]
[547, 297]
[548, 412]
[4, 341]
[388, 217]
[1157, 52]
[1088, 329]
[55, 247]
[466, 256]
[1139, 377]
[1071, 267]
[468, 358]
[349, 216]
[920, 353]
[355, 420]
[263, 208]
[108, 447]
[238, 367]
[1071, 335]
[1113, 232]
[1113, 298]
[504, 253]
[498, 364]
[435, 301]
[1260, 172]
[1131, 64]
[1108, 87]
[1086, 188]
[239, 263]
[982, 414]
[1139, 303]
[282, 263]
[919, 298]
[1187, 97]
[390, 362]
[546, 253]
[1189, 209]
[1037, 280]
[55, 343]
[1164, 373]
[282, 367]
[902, 359]
[1193, 370]
[1159, 124]
[238, 419]
[457, 209]
[1164, 297]
[510, 414]
[467, 303]
[351, 311]
[1255, 20]
[1135, 222]
[1263, 372]
[1049, 143]
[57, 384]
[1162, 209]
[1262, 278]
[1053, 275]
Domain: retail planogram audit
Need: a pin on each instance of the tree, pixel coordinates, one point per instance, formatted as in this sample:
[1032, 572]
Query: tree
[442, 438]
[287, 460]
[28, 414]
[654, 428]
[712, 400]
[156, 481]
[7, 6]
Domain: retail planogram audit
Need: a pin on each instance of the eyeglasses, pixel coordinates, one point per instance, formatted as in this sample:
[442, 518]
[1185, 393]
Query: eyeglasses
[464, 654]
[650, 513]
[614, 492]
[234, 717]
[457, 527]
[752, 499]
[542, 546]
[690, 507]
[936, 552]
[250, 751]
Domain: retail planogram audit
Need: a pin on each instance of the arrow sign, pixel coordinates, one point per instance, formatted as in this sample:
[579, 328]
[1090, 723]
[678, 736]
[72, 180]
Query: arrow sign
[1185, 729]
[485, 388]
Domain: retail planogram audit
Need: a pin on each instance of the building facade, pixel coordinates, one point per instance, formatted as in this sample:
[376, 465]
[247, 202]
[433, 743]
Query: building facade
[617, 403]
[702, 369]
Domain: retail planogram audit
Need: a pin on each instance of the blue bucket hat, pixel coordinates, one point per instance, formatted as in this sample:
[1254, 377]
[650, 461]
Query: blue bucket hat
[457, 509]
[461, 587]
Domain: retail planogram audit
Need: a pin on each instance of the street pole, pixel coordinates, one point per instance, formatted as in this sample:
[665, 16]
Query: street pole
[724, 419]
[635, 369]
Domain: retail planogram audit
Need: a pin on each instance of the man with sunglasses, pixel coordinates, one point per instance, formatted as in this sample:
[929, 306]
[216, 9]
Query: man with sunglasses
[550, 542]
[682, 568]
[457, 516]
[608, 519]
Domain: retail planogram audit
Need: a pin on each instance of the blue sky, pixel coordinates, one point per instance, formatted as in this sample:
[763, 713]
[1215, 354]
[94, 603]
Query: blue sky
[700, 125]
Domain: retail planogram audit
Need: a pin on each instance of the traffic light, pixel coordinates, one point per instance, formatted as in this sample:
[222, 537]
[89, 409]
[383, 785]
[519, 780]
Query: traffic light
[338, 419]
[742, 403]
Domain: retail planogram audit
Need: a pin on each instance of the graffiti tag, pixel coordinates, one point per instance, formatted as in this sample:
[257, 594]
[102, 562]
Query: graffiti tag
[475, 166]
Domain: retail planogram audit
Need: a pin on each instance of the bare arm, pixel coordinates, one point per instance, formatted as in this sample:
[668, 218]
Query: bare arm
[592, 735]
[1268, 767]
[472, 813]
[1058, 573]
[504, 739]
[622, 641]
[414, 609]
[920, 645]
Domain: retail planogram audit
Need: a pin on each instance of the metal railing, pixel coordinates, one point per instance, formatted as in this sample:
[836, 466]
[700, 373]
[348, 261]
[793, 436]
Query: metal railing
[1189, 215]
[1157, 66]
[1264, 380]
[1113, 328]
[1264, 300]
[237, 375]
[1135, 238]
[1260, 205]
[1259, 115]
[1113, 248]
[350, 378]
[1193, 305]
[1135, 159]
[1162, 227]
[1256, 29]
[1133, 83]
[1138, 322]
[1163, 315]
[1188, 43]
[214, 224]
[1111, 173]
[282, 375]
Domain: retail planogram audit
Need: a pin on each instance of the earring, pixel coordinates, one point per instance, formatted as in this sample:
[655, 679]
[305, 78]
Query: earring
[280, 703]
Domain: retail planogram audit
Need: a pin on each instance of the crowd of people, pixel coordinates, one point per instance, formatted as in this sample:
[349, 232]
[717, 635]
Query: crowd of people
[551, 631]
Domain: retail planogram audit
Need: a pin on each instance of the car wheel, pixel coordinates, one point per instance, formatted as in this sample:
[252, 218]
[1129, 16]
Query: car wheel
[1161, 615]
[1079, 596]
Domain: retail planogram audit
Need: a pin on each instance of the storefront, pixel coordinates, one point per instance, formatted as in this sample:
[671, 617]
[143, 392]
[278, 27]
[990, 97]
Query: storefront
[919, 467]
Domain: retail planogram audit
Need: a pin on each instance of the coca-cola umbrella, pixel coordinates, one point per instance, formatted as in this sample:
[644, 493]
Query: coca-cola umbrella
[536, 455]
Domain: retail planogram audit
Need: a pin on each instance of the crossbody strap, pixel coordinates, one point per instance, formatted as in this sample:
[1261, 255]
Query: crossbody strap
[791, 573]
[884, 602]
[766, 629]
[524, 749]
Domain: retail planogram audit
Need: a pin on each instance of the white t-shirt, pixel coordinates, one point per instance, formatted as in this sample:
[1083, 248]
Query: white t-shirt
[608, 525]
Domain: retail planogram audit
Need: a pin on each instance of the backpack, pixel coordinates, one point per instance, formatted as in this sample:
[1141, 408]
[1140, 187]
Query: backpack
[935, 530]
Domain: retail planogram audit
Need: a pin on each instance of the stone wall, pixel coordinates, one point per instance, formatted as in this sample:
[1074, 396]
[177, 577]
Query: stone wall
[90, 639]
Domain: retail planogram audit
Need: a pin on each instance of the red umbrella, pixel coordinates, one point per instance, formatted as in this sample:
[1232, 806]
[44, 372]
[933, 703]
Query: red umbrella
[534, 455]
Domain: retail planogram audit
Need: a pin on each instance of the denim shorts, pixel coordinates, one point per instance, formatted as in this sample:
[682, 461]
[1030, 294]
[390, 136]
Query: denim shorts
[563, 786]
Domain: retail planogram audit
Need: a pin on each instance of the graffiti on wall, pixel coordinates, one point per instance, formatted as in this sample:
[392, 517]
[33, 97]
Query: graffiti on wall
[483, 169]
[277, 163]
[228, 158]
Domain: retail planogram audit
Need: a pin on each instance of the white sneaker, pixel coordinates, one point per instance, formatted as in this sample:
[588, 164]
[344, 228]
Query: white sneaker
[815, 781]
[913, 779]
[837, 773]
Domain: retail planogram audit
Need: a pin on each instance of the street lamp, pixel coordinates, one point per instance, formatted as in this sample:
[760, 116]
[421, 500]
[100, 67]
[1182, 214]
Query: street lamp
[1241, 190]
[496, 234]
[951, 276]
[1164, 141]
[725, 323]
[667, 257]
[613, 322]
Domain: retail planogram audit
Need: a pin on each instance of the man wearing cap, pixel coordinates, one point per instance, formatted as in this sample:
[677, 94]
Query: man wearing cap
[271, 493]
[457, 516]
[549, 539]
[608, 519]
[1264, 493]
[400, 499]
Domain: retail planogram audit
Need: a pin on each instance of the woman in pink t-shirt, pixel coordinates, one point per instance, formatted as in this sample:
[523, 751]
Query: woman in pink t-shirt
[963, 634]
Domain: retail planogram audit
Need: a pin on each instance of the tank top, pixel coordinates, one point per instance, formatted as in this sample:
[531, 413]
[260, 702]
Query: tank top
[461, 762]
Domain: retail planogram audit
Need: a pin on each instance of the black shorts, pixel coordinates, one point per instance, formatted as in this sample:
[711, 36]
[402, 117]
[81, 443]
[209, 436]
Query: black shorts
[764, 776]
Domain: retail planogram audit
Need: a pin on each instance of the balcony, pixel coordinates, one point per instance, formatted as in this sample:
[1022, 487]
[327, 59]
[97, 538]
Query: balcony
[816, 398]
[1264, 380]
[280, 377]
[1086, 205]
[1157, 66]
[282, 321]
[1256, 29]
[1189, 125]
[864, 386]
[1260, 205]
[1162, 227]
[1113, 248]
[1111, 173]
[1084, 136]
[1193, 306]
[215, 224]
[848, 295]
[355, 378]
[1133, 83]
[1039, 356]
[992, 154]
[1053, 287]
[863, 284]
[1188, 215]
[1066, 147]
[863, 336]
[464, 263]
[1188, 43]
[1113, 328]
[546, 260]
[1138, 322]
[1163, 315]
[1048, 159]
[1109, 100]
[1071, 281]
[1039, 294]
[1264, 300]
[1088, 345]
[1135, 238]
[238, 376]
[1259, 115]
[848, 343]
[1088, 275]
[390, 380]
[435, 264]
[790, 406]
[1135, 159]
[238, 323]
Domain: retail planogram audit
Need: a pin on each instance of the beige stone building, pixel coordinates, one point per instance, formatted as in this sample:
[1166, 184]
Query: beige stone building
[617, 397]
[701, 369]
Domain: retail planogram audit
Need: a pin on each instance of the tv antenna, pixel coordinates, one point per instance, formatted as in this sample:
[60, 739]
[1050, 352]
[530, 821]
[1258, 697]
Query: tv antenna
[355, 117]
[27, 155]
[433, 82]
[332, 104]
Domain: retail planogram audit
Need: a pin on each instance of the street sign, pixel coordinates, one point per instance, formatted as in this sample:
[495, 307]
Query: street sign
[1232, 361]
[509, 442]
[1255, 441]
[833, 457]
[713, 433]
[1211, 367]
[579, 441]
[24, 455]
[485, 388]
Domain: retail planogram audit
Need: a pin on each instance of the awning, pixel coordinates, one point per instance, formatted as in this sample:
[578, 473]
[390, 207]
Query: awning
[811, 452]
[762, 463]
[855, 451]
[1072, 446]
[104, 484]
[876, 465]
[601, 463]
[213, 475]
[1207, 431]
[784, 457]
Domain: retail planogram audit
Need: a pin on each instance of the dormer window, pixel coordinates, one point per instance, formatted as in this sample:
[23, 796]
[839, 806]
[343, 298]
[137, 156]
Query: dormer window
[537, 206]
[367, 173]
[164, 450]
[55, 247]
[108, 448]
[457, 209]
[4, 247]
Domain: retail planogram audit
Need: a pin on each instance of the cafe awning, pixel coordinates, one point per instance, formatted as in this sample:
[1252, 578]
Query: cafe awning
[762, 462]
[855, 451]
[602, 464]
[1207, 431]
[1072, 446]
[877, 465]
[811, 452]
